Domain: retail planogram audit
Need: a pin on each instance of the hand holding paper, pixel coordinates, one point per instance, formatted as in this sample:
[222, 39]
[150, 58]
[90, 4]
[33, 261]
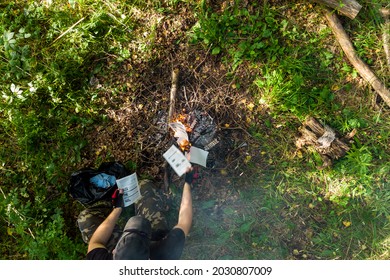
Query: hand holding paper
[130, 187]
[175, 157]
[177, 160]
[198, 156]
[181, 163]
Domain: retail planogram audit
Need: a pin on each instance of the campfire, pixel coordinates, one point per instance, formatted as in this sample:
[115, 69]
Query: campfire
[184, 145]
[183, 119]
[195, 128]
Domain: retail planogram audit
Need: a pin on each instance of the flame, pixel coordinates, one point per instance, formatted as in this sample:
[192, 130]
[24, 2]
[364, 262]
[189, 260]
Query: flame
[184, 144]
[182, 118]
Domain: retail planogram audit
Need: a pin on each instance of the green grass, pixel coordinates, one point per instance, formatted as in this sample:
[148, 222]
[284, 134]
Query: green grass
[44, 116]
[296, 81]
[285, 209]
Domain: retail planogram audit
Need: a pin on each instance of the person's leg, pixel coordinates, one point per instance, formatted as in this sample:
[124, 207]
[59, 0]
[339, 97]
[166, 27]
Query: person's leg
[90, 219]
[152, 207]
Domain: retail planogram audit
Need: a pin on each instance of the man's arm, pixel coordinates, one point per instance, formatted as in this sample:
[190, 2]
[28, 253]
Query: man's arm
[103, 233]
[185, 212]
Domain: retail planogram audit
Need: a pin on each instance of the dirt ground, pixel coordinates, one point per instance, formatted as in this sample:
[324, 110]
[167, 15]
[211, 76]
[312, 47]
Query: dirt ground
[136, 132]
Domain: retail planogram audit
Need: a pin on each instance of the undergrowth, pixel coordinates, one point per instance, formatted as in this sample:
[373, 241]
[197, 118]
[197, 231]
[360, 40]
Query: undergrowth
[48, 56]
[298, 76]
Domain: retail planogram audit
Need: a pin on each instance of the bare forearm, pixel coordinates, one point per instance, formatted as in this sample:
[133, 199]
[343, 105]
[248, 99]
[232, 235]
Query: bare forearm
[185, 212]
[104, 231]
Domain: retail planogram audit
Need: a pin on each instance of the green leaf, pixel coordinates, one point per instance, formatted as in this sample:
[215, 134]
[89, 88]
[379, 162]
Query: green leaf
[8, 35]
[216, 51]
[244, 228]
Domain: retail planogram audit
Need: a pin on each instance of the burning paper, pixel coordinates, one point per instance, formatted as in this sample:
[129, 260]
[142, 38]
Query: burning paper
[204, 130]
[181, 135]
[179, 129]
[194, 154]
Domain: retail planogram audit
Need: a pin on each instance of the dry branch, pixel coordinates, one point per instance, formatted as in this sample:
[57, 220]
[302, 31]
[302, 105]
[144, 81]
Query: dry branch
[172, 98]
[171, 112]
[17, 213]
[68, 30]
[362, 68]
[349, 8]
[386, 30]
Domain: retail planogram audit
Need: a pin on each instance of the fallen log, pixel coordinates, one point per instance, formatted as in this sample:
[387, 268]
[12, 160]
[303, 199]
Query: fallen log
[362, 68]
[349, 8]
[324, 140]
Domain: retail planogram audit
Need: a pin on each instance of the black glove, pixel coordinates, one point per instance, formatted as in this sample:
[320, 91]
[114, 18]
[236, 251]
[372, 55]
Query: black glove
[117, 199]
[189, 177]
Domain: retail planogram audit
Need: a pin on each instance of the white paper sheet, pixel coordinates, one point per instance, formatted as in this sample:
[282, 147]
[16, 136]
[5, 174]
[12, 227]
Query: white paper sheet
[131, 191]
[177, 160]
[198, 156]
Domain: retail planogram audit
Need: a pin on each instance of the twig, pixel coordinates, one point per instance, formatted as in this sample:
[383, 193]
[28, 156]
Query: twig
[17, 213]
[68, 30]
[16, 66]
[206, 56]
[350, 241]
[363, 69]
[185, 95]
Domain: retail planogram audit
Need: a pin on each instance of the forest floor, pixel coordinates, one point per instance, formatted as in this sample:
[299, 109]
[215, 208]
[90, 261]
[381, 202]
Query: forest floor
[89, 82]
[234, 217]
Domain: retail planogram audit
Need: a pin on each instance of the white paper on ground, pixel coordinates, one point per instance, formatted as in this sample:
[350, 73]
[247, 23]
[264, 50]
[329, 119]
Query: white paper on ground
[198, 156]
[177, 160]
[131, 191]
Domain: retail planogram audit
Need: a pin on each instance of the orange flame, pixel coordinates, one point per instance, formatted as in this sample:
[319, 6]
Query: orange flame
[184, 144]
[182, 118]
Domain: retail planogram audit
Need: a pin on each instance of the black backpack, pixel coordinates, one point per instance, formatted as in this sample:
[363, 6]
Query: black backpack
[81, 189]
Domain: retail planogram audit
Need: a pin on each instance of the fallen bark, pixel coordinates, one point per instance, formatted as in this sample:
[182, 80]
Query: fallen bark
[362, 68]
[349, 8]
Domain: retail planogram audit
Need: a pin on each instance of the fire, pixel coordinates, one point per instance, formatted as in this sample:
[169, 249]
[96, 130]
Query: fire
[183, 118]
[185, 145]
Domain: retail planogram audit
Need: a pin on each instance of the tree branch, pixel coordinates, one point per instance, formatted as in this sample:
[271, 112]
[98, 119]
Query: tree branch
[362, 68]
